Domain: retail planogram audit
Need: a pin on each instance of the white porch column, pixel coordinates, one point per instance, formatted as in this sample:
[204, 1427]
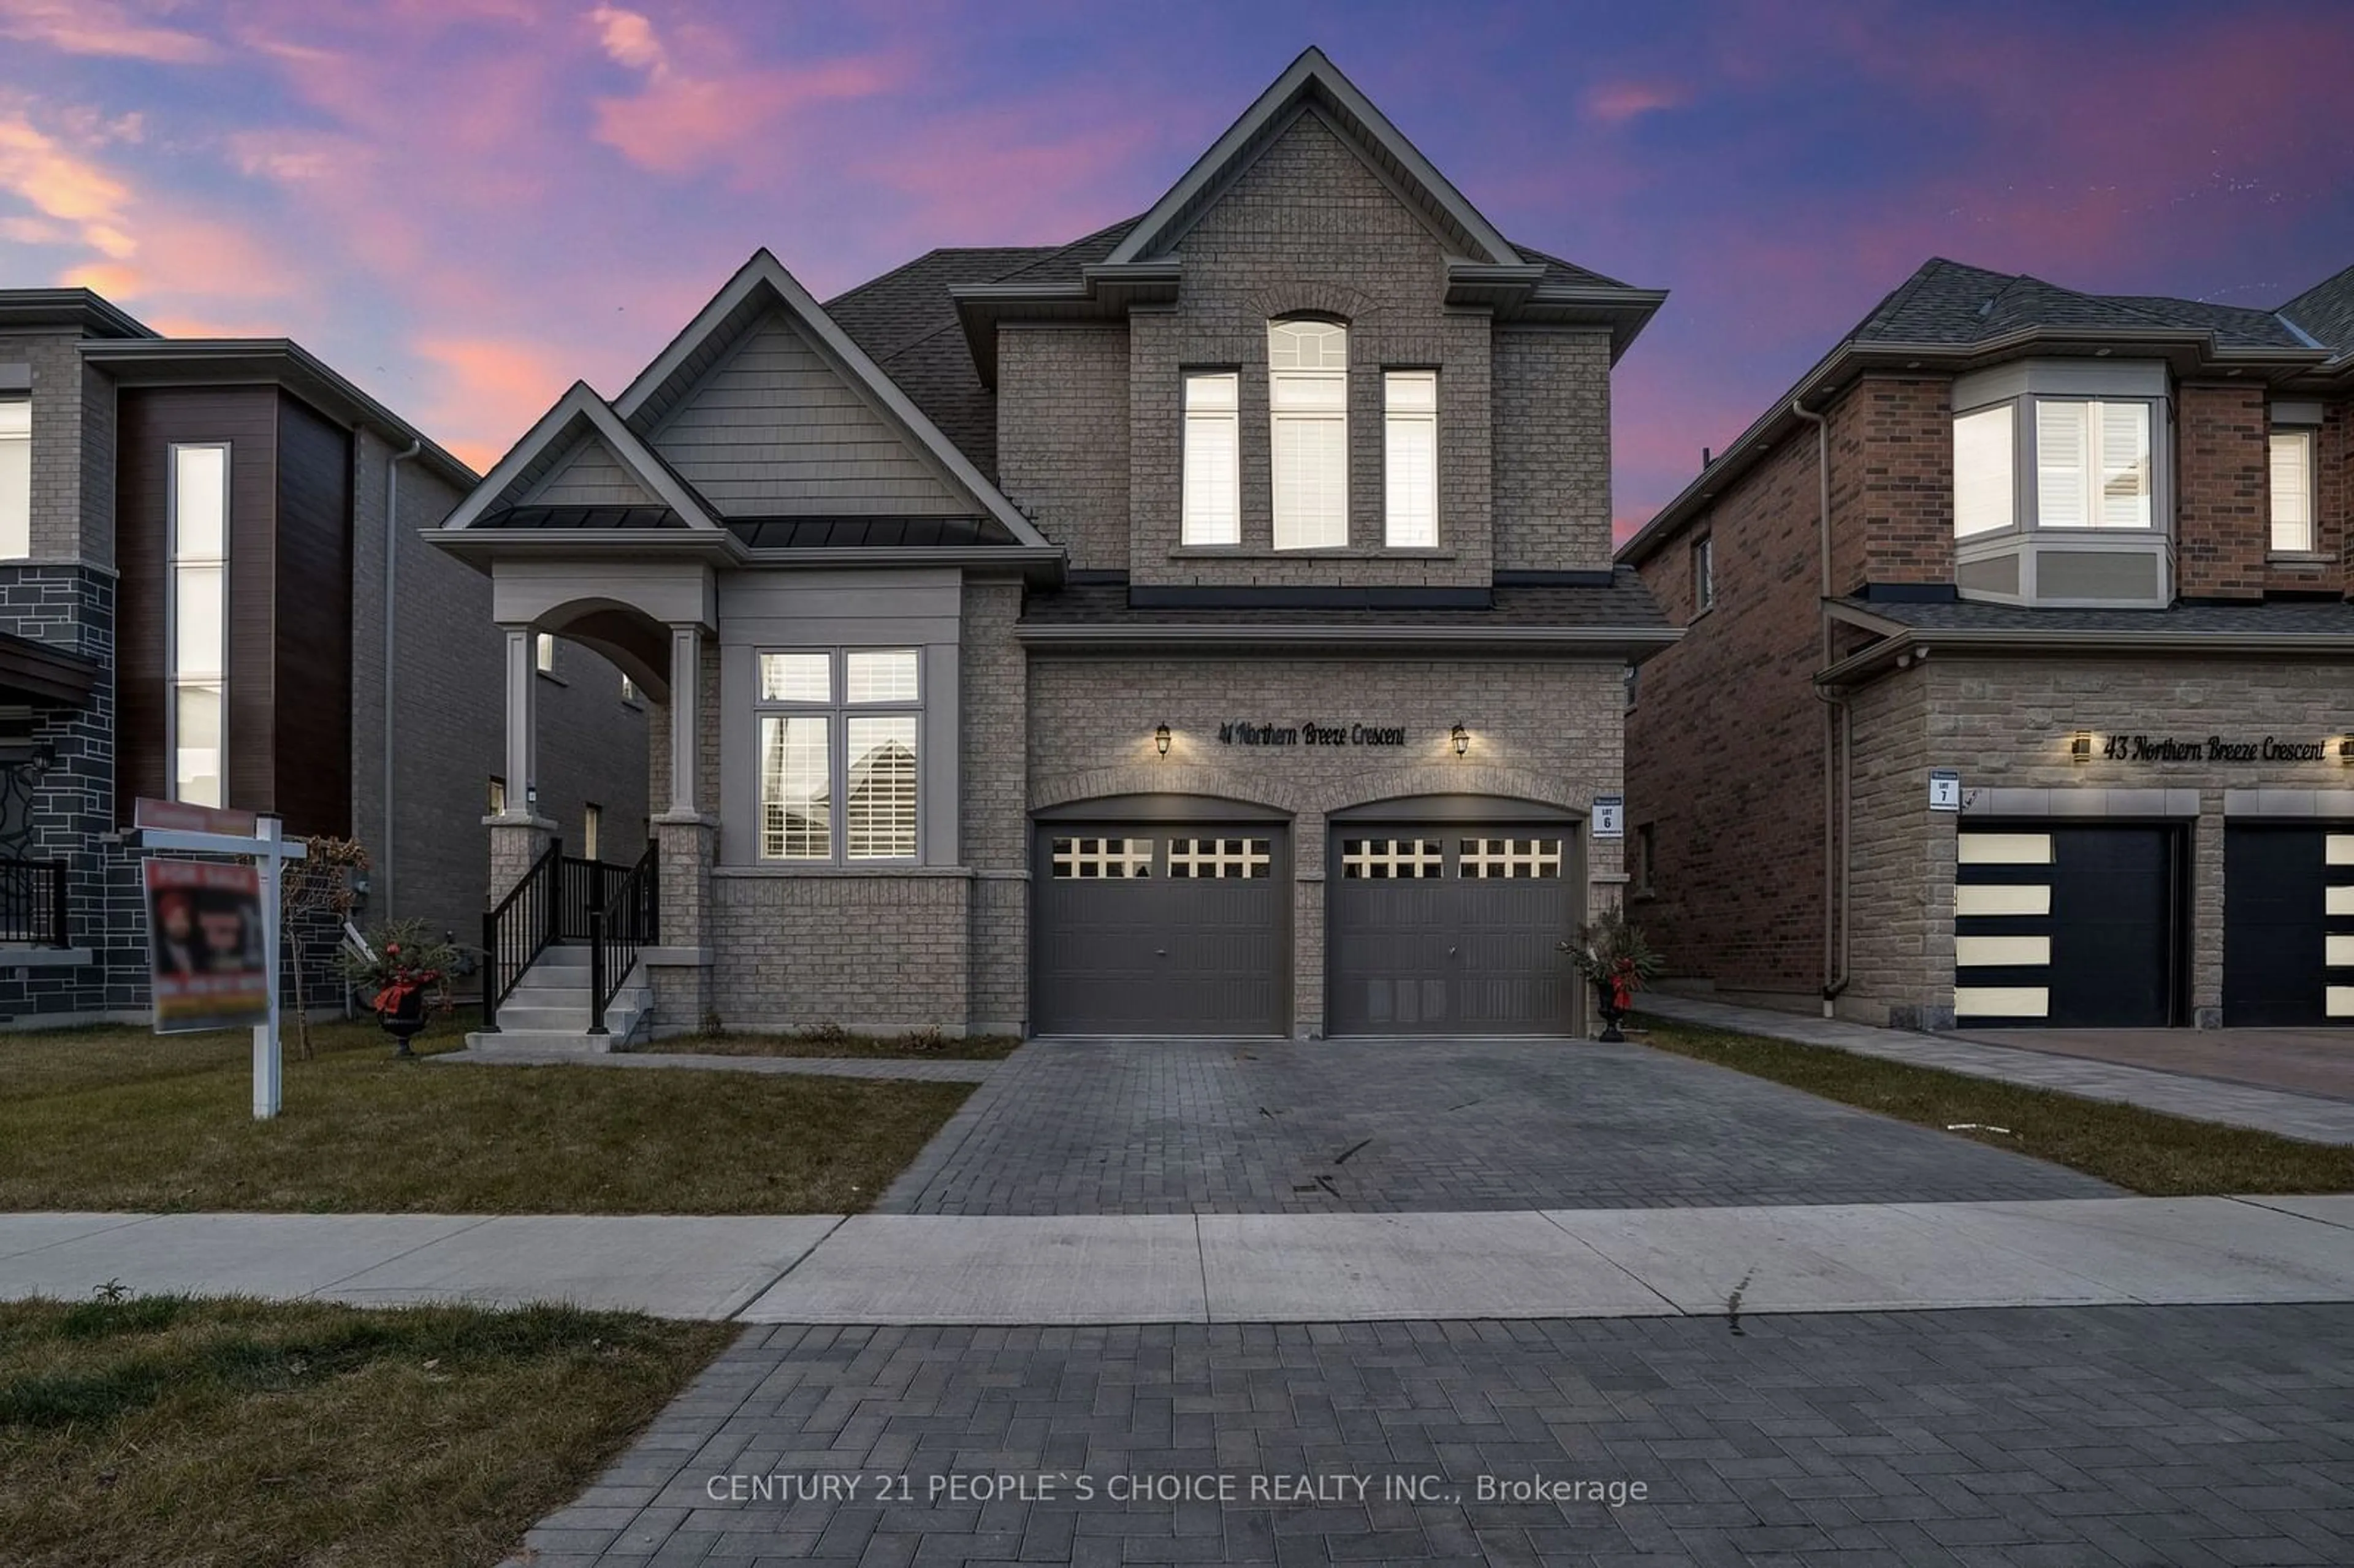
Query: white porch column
[523, 722]
[685, 672]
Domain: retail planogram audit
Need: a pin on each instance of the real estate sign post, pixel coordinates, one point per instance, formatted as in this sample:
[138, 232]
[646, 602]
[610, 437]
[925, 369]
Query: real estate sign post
[212, 932]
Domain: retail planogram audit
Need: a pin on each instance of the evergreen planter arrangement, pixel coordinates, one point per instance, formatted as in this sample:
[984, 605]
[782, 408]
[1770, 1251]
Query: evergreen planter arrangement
[408, 969]
[1610, 954]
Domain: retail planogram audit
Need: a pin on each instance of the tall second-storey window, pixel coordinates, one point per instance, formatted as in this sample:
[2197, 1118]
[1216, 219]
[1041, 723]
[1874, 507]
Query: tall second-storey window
[1410, 459]
[1213, 464]
[2291, 488]
[16, 477]
[199, 536]
[1308, 401]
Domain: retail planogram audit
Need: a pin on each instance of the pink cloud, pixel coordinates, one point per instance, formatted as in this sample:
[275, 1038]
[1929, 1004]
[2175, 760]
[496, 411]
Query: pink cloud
[103, 27]
[679, 123]
[1614, 103]
[493, 391]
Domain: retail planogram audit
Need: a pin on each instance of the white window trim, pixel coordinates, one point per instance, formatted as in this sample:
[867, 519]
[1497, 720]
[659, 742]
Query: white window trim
[2305, 436]
[1279, 416]
[1200, 529]
[1704, 573]
[13, 548]
[2026, 513]
[173, 561]
[1418, 422]
[838, 710]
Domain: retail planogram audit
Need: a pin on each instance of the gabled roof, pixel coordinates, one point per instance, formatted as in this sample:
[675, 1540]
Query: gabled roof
[763, 285]
[1313, 81]
[578, 415]
[1948, 317]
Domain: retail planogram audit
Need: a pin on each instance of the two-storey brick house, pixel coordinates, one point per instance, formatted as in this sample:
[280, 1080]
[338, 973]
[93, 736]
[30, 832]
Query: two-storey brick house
[2018, 678]
[214, 589]
[1204, 627]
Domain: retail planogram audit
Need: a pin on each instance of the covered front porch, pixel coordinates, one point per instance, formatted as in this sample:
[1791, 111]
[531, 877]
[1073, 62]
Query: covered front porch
[585, 952]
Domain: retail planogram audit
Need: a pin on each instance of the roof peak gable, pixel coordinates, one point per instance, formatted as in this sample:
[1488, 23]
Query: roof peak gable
[1313, 81]
[579, 415]
[763, 286]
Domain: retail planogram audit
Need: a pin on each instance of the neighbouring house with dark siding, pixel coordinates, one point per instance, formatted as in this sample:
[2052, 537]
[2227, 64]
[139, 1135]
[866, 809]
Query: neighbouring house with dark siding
[202, 546]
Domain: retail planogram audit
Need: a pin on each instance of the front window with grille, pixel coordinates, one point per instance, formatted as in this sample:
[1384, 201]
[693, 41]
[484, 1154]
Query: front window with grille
[1308, 404]
[841, 737]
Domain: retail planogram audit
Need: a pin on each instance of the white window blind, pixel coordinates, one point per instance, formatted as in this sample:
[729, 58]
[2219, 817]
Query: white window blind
[198, 549]
[1410, 459]
[1213, 473]
[1985, 492]
[795, 770]
[880, 796]
[16, 477]
[2092, 464]
[2292, 486]
[1308, 401]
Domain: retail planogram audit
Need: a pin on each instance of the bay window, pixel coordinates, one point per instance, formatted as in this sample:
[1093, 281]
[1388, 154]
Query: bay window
[840, 743]
[1213, 468]
[2292, 493]
[1307, 402]
[16, 477]
[2061, 492]
[198, 643]
[1410, 459]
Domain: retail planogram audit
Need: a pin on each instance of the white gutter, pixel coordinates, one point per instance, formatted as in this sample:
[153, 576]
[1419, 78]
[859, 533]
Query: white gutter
[391, 605]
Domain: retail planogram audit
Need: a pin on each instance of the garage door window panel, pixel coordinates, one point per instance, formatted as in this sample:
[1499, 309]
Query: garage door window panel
[1216, 859]
[1100, 859]
[1515, 858]
[1392, 860]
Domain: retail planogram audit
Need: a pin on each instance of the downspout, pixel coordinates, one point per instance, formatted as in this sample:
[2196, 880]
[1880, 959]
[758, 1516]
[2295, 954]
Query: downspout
[1838, 764]
[391, 603]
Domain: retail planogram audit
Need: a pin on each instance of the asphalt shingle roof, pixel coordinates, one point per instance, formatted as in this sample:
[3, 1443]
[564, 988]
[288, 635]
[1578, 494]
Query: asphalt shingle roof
[2277, 617]
[2326, 311]
[1947, 302]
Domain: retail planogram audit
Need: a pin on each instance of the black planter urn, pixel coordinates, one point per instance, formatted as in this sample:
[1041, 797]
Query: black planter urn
[1606, 1005]
[404, 1018]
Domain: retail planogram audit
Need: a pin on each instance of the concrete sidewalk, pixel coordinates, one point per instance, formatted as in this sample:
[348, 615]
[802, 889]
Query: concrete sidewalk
[1244, 1269]
[2309, 1117]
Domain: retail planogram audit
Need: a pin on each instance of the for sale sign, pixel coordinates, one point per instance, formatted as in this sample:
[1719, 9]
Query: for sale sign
[208, 957]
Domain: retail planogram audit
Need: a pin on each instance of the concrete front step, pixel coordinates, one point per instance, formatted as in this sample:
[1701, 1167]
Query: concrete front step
[534, 1041]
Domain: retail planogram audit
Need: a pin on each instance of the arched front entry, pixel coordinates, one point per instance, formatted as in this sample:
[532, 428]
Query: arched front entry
[1445, 916]
[1161, 914]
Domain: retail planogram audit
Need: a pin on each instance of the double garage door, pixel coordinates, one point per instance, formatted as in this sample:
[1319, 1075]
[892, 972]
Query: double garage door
[1149, 927]
[2088, 926]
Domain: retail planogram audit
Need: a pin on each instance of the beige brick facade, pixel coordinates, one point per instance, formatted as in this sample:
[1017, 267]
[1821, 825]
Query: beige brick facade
[2005, 726]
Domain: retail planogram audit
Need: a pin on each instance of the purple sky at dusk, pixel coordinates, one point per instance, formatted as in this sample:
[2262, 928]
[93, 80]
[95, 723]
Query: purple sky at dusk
[464, 205]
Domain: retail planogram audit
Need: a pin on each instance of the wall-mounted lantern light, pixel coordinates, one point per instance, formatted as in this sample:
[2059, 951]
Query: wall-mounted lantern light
[2080, 747]
[1161, 741]
[1462, 739]
[2346, 750]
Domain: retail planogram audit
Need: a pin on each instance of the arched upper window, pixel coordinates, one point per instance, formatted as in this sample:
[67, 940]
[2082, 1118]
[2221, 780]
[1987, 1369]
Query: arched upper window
[1307, 402]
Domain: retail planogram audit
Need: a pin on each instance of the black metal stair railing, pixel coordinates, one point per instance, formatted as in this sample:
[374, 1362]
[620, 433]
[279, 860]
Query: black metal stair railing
[626, 922]
[519, 929]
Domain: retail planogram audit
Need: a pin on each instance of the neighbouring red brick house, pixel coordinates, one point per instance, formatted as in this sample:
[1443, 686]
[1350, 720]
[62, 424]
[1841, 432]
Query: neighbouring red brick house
[2018, 685]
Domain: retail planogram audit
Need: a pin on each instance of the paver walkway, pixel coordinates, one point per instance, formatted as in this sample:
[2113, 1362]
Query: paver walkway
[2088, 1438]
[945, 1071]
[1149, 1127]
[2307, 1117]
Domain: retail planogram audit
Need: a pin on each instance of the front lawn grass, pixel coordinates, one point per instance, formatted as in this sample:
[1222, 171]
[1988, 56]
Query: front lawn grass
[174, 1433]
[2141, 1150]
[841, 1044]
[118, 1118]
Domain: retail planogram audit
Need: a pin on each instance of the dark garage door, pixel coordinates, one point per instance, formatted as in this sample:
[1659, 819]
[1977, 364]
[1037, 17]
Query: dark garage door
[2287, 892]
[1443, 928]
[1151, 929]
[2068, 926]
